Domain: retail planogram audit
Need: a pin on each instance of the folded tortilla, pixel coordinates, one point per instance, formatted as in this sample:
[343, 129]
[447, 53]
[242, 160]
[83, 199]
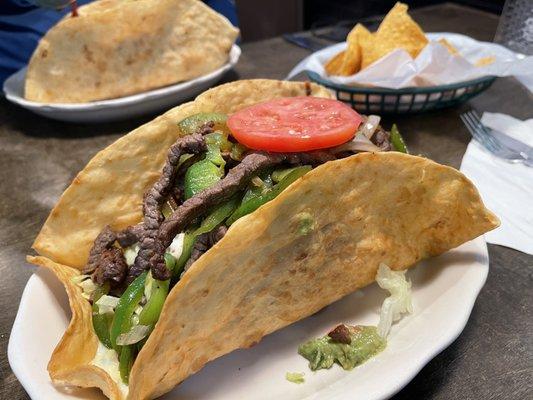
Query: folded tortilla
[262, 276]
[116, 48]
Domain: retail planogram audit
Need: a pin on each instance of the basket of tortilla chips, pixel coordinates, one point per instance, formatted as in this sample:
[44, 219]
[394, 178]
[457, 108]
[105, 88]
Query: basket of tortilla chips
[366, 52]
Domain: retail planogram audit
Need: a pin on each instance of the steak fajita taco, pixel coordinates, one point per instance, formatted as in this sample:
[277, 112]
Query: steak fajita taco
[230, 217]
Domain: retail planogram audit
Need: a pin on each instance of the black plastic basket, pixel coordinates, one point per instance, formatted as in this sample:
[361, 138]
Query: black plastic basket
[408, 100]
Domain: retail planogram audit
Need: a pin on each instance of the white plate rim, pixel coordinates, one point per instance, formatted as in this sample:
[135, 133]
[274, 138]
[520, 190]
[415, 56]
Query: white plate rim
[119, 102]
[393, 386]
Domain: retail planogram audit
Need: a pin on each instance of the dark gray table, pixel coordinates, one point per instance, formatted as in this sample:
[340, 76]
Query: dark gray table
[493, 357]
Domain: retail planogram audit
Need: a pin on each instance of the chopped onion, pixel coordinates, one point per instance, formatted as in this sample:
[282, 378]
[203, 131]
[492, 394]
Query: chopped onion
[398, 303]
[130, 253]
[176, 247]
[370, 126]
[148, 285]
[258, 182]
[135, 335]
[107, 304]
[79, 278]
[87, 286]
[359, 143]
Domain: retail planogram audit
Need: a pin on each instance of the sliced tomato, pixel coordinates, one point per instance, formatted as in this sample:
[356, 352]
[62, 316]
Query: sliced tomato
[293, 124]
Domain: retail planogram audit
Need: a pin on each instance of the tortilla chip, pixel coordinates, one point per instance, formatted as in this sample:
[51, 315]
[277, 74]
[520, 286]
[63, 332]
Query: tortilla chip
[116, 48]
[449, 46]
[485, 61]
[352, 60]
[397, 31]
[388, 207]
[333, 66]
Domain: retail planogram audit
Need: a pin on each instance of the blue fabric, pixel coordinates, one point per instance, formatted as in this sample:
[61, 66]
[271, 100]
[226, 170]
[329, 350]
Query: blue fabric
[226, 8]
[22, 24]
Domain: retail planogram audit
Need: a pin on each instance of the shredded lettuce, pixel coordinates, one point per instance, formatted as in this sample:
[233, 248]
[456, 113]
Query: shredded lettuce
[134, 335]
[176, 247]
[398, 303]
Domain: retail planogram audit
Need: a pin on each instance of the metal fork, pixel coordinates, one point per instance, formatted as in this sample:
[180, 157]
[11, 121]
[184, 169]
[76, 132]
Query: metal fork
[482, 134]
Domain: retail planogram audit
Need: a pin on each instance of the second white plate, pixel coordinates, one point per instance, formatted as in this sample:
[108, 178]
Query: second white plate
[122, 107]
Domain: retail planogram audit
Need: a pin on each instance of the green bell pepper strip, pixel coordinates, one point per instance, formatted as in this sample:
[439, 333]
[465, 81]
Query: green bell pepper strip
[237, 151]
[254, 203]
[279, 174]
[102, 322]
[219, 139]
[126, 362]
[125, 308]
[217, 216]
[397, 140]
[152, 309]
[188, 244]
[255, 191]
[200, 176]
[215, 143]
[191, 124]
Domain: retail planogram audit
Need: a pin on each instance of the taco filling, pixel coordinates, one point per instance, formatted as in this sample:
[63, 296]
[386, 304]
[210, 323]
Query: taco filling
[220, 169]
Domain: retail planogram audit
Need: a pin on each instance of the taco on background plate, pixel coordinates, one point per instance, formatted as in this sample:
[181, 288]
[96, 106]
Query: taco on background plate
[230, 217]
[116, 48]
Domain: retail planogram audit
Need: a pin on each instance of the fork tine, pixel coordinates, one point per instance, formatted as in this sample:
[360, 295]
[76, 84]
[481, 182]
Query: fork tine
[476, 116]
[472, 128]
[483, 135]
[481, 129]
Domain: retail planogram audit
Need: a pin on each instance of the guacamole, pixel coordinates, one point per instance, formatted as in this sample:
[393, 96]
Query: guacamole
[363, 343]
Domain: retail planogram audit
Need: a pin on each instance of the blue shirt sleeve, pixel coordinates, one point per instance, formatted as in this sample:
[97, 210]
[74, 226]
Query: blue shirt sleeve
[22, 24]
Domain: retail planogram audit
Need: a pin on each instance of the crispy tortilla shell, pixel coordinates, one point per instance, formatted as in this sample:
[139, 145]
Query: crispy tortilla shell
[267, 272]
[70, 361]
[116, 48]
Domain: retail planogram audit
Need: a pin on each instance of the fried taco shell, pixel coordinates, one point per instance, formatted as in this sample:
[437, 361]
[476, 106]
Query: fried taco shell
[266, 272]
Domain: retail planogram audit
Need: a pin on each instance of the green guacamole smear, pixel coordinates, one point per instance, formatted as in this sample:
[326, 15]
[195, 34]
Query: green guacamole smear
[306, 223]
[295, 377]
[360, 344]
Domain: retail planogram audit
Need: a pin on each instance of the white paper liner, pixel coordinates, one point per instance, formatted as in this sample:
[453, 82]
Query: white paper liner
[433, 66]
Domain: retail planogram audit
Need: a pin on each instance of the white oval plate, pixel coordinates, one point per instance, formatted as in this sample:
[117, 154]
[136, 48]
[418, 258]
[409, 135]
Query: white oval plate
[444, 291]
[122, 107]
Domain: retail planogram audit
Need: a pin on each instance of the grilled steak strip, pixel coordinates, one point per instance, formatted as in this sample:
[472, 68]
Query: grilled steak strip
[112, 268]
[105, 240]
[154, 199]
[130, 235]
[204, 242]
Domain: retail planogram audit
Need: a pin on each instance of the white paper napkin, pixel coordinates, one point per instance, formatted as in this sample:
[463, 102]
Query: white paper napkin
[506, 188]
[433, 66]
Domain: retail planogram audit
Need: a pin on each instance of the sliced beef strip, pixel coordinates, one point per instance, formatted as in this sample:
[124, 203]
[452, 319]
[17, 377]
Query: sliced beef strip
[154, 198]
[131, 235]
[340, 334]
[112, 268]
[106, 262]
[105, 240]
[204, 242]
[381, 138]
